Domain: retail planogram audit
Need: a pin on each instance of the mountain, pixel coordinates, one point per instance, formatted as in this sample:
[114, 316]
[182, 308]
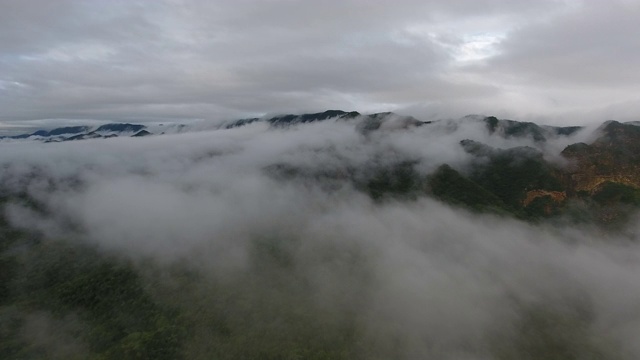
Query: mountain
[141, 133]
[597, 182]
[517, 129]
[518, 180]
[71, 133]
[321, 251]
[291, 119]
[612, 157]
[367, 122]
[307, 118]
[119, 128]
[69, 130]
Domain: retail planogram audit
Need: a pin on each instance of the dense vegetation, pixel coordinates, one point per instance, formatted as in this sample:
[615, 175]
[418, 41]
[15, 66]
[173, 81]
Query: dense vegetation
[450, 186]
[58, 292]
[68, 301]
[62, 298]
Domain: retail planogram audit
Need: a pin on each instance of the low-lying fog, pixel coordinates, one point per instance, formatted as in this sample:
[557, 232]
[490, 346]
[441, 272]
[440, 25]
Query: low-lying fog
[420, 279]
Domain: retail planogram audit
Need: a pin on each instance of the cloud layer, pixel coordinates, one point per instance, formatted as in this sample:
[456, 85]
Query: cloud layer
[186, 59]
[421, 279]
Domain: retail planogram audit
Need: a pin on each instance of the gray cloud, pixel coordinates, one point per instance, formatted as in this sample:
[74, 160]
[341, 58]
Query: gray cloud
[421, 278]
[590, 46]
[176, 60]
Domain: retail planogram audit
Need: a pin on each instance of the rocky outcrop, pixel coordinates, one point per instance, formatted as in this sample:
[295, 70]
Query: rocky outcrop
[556, 196]
[612, 157]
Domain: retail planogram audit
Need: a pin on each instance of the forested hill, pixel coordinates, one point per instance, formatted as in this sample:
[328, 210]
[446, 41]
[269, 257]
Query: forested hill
[333, 235]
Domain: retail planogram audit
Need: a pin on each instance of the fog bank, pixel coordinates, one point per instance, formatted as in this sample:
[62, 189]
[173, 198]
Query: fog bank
[419, 278]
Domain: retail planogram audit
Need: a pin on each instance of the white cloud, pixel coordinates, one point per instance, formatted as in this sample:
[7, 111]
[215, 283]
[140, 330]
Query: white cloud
[193, 60]
[441, 280]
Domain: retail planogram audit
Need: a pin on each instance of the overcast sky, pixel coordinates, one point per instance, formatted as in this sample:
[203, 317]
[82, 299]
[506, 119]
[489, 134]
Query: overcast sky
[564, 61]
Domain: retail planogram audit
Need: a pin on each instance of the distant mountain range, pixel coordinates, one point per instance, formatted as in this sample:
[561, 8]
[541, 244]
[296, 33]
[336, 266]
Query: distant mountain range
[83, 132]
[366, 123]
[600, 183]
[98, 294]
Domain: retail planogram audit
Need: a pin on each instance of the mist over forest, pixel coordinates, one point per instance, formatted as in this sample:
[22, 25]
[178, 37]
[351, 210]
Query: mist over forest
[354, 237]
[335, 179]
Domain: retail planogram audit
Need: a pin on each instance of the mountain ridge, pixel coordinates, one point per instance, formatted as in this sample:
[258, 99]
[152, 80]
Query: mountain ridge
[516, 178]
[368, 122]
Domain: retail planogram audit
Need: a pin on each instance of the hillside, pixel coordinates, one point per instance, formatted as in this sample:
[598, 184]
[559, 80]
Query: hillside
[332, 235]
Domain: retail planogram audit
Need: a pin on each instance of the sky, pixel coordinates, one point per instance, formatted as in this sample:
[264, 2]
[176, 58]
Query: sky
[552, 61]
